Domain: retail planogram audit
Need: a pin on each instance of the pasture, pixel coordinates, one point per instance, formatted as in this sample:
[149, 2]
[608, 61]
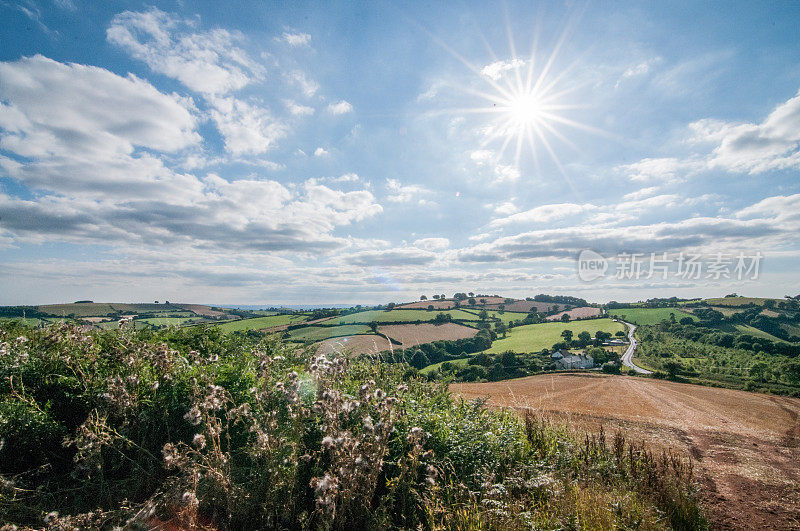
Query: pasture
[260, 323]
[535, 337]
[393, 316]
[649, 316]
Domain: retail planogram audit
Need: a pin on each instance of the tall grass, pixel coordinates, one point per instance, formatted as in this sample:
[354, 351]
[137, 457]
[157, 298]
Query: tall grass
[195, 429]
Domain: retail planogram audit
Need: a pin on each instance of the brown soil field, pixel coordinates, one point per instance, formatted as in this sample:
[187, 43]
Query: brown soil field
[577, 313]
[746, 446]
[525, 306]
[361, 344]
[417, 334]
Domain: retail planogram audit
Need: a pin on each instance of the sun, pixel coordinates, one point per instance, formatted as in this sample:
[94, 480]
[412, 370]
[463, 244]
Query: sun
[525, 110]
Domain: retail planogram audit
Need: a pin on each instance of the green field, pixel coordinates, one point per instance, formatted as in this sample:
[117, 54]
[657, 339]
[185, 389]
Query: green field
[460, 363]
[165, 321]
[29, 321]
[260, 323]
[535, 337]
[98, 309]
[382, 316]
[649, 316]
[505, 317]
[318, 333]
[737, 301]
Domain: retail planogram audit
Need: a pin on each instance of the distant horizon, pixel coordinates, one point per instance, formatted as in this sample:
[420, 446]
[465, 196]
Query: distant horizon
[312, 306]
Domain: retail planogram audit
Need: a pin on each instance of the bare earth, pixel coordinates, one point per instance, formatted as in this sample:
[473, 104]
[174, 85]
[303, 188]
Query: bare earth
[746, 445]
[416, 334]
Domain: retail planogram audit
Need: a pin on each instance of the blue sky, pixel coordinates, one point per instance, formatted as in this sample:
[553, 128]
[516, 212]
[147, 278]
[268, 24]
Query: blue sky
[364, 153]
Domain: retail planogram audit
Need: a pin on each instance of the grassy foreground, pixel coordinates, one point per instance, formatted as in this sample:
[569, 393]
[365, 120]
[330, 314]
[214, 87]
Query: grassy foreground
[194, 428]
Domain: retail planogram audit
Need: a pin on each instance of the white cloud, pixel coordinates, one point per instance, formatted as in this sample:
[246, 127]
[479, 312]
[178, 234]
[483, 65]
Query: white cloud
[341, 107]
[400, 193]
[296, 39]
[432, 244]
[297, 109]
[496, 70]
[640, 193]
[668, 169]
[506, 173]
[320, 152]
[207, 62]
[543, 214]
[755, 148]
[481, 156]
[247, 129]
[505, 209]
[346, 178]
[79, 129]
[309, 87]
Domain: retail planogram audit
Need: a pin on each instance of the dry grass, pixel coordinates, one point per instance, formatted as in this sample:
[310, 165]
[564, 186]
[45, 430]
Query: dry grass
[417, 334]
[361, 344]
[583, 312]
[747, 445]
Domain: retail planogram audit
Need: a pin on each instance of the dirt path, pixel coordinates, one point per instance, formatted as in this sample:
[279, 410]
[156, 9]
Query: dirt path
[746, 445]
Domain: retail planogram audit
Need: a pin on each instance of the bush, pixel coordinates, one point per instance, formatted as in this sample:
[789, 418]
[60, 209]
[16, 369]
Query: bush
[194, 429]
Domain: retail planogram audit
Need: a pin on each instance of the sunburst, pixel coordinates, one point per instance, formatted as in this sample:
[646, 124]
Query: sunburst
[526, 100]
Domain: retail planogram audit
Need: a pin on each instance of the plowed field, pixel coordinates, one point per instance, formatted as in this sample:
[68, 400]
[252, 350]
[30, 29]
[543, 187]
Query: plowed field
[746, 445]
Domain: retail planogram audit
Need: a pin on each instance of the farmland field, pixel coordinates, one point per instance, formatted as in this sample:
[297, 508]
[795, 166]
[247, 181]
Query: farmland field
[361, 344]
[535, 337]
[527, 306]
[416, 334]
[649, 316]
[383, 316]
[260, 323]
[583, 312]
[437, 304]
[746, 446]
[165, 321]
[737, 301]
[504, 317]
[318, 333]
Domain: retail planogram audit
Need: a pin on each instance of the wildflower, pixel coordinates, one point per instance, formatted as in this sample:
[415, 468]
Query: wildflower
[189, 498]
[193, 416]
[50, 517]
[380, 394]
[213, 358]
[199, 441]
[328, 442]
[402, 388]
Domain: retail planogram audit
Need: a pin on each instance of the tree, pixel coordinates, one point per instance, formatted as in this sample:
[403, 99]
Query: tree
[442, 296]
[390, 306]
[471, 300]
[472, 294]
[423, 298]
[584, 338]
[483, 302]
[500, 328]
[430, 307]
[373, 326]
[436, 297]
[483, 315]
[565, 318]
[759, 371]
[419, 360]
[502, 308]
[567, 335]
[673, 368]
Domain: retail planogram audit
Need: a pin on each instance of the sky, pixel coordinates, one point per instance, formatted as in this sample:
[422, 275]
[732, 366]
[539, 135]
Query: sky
[368, 152]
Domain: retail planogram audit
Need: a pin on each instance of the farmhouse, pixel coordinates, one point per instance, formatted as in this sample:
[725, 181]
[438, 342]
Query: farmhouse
[567, 360]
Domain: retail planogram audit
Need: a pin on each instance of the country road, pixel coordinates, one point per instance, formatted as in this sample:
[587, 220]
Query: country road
[627, 358]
